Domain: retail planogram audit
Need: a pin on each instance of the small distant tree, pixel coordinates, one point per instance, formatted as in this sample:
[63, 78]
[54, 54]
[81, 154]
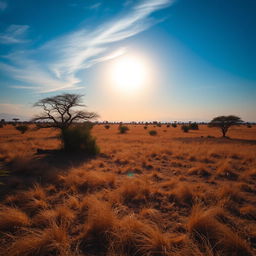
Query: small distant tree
[22, 128]
[123, 128]
[185, 128]
[193, 126]
[174, 124]
[15, 121]
[225, 122]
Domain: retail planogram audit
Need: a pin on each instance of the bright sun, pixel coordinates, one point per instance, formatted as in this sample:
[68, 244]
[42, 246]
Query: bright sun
[128, 74]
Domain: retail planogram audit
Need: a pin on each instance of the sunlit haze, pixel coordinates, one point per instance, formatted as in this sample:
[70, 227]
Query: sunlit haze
[129, 75]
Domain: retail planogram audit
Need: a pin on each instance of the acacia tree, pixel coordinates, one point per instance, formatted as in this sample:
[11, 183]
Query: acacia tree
[225, 122]
[15, 120]
[62, 110]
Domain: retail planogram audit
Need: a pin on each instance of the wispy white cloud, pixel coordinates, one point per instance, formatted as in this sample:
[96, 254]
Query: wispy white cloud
[95, 6]
[63, 57]
[14, 34]
[3, 5]
[127, 3]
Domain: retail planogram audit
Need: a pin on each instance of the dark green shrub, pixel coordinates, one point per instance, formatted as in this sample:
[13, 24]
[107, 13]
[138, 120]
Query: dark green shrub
[123, 128]
[79, 139]
[159, 125]
[107, 126]
[145, 127]
[185, 128]
[193, 126]
[22, 128]
[174, 125]
[152, 132]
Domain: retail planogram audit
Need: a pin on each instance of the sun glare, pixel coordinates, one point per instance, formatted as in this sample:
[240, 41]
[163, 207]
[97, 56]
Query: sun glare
[128, 74]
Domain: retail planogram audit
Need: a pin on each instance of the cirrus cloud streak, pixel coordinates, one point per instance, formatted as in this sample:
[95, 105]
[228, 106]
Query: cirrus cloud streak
[54, 65]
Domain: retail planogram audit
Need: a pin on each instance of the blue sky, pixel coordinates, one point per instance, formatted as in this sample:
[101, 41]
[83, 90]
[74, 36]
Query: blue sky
[200, 55]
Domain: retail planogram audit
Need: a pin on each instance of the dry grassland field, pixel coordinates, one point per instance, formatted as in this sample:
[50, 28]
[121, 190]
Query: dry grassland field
[174, 193]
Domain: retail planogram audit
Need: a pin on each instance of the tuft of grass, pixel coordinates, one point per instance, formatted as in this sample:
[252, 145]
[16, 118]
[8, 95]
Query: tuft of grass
[251, 174]
[11, 217]
[37, 192]
[248, 212]
[73, 202]
[51, 241]
[225, 170]
[230, 192]
[99, 224]
[134, 191]
[60, 215]
[199, 171]
[203, 225]
[88, 181]
[133, 237]
[182, 195]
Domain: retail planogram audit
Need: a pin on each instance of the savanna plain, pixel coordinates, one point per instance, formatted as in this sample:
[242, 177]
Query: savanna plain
[173, 193]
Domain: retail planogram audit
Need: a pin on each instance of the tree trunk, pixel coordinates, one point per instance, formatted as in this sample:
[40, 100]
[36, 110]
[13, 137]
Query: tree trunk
[223, 132]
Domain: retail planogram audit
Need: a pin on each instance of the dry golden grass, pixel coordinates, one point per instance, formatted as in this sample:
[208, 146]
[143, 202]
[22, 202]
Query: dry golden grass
[204, 226]
[51, 241]
[173, 194]
[11, 217]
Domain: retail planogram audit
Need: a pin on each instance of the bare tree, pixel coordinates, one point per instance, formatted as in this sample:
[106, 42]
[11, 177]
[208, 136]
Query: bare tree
[62, 110]
[225, 122]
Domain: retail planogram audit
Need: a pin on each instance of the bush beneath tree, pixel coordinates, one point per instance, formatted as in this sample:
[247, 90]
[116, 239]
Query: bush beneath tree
[79, 139]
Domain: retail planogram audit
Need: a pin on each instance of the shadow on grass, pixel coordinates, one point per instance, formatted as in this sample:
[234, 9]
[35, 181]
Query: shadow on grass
[217, 140]
[61, 159]
[43, 167]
